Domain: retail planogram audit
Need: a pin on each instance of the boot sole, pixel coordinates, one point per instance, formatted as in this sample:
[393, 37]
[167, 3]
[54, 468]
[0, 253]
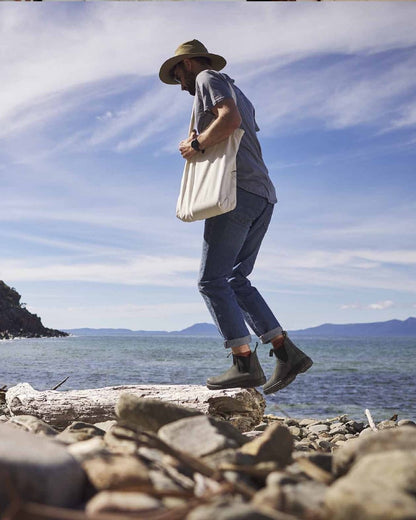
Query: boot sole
[248, 384]
[297, 369]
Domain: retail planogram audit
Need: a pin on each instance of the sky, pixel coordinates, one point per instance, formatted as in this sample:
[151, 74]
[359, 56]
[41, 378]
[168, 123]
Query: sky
[90, 171]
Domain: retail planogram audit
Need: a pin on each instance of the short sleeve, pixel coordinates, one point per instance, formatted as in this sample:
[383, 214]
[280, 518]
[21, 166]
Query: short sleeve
[212, 89]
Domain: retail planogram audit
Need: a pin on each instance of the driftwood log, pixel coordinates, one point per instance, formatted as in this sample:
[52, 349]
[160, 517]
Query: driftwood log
[244, 408]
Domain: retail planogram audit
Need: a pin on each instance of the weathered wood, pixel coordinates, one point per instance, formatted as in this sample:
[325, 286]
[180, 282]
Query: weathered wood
[244, 408]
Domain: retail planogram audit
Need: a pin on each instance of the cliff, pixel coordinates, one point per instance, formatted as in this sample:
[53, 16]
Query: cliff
[16, 321]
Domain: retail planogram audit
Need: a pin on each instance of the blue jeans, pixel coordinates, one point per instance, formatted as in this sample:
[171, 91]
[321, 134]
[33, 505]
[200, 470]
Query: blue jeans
[231, 244]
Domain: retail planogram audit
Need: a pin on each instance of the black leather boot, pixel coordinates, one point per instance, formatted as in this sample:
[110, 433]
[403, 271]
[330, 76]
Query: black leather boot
[290, 361]
[246, 372]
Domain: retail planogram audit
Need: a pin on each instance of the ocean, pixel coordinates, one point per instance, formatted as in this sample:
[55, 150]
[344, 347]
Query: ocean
[348, 375]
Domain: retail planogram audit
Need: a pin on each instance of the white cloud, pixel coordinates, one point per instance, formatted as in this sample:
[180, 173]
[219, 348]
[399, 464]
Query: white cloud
[386, 304]
[172, 271]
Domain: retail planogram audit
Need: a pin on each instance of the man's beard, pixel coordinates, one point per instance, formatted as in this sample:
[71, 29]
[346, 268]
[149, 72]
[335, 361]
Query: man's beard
[189, 81]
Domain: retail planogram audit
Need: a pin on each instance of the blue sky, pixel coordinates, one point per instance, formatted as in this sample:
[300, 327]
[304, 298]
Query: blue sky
[90, 172]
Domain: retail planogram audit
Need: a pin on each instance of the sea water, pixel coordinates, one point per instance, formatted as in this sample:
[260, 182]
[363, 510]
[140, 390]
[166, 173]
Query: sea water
[348, 375]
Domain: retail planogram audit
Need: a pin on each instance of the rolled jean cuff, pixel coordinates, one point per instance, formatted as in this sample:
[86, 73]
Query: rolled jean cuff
[228, 343]
[266, 338]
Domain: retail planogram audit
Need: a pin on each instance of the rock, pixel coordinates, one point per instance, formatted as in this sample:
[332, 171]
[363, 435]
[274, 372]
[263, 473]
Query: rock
[318, 428]
[406, 422]
[354, 426]
[79, 431]
[322, 460]
[295, 431]
[106, 425]
[385, 425]
[110, 471]
[379, 486]
[40, 469]
[223, 510]
[305, 499]
[122, 502]
[33, 425]
[150, 414]
[307, 422]
[17, 321]
[87, 449]
[403, 438]
[120, 440]
[243, 408]
[339, 430]
[201, 435]
[275, 444]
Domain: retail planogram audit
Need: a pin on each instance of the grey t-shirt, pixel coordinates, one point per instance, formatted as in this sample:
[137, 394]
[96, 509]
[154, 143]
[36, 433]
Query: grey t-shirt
[213, 87]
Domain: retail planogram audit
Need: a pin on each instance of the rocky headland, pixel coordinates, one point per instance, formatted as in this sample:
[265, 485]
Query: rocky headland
[16, 321]
[219, 457]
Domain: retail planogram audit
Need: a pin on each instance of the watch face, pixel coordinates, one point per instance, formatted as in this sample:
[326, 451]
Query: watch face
[195, 144]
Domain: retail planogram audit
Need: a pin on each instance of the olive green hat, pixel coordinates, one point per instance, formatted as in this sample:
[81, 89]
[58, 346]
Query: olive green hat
[192, 49]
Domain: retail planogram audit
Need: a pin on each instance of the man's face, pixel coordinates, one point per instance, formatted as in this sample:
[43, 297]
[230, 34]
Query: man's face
[186, 78]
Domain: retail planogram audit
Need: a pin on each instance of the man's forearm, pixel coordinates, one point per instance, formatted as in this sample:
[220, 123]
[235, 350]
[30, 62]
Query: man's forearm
[219, 130]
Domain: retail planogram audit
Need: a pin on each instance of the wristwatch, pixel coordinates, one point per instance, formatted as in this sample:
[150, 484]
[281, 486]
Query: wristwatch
[195, 146]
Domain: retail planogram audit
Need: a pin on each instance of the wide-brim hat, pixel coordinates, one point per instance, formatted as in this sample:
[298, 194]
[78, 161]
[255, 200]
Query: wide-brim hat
[191, 49]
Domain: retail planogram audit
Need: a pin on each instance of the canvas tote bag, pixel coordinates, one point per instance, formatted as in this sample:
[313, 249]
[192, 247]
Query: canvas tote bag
[209, 180]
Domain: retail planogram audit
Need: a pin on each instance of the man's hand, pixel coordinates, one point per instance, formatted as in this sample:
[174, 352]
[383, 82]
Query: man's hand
[186, 149]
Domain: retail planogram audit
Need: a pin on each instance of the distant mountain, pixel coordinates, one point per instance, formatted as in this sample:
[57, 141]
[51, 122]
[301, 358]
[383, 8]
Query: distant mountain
[382, 328]
[198, 329]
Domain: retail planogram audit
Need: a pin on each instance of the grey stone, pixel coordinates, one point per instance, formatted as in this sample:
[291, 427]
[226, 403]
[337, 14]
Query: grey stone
[201, 435]
[325, 445]
[406, 422]
[106, 425]
[150, 414]
[365, 432]
[403, 438]
[307, 422]
[40, 469]
[79, 431]
[338, 437]
[122, 502]
[111, 471]
[230, 511]
[318, 428]
[295, 431]
[305, 499]
[385, 425]
[261, 427]
[354, 426]
[87, 449]
[32, 424]
[339, 430]
[276, 445]
[120, 440]
[380, 486]
[322, 460]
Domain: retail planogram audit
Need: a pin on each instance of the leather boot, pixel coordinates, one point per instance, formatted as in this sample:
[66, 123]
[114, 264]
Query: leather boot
[246, 372]
[290, 361]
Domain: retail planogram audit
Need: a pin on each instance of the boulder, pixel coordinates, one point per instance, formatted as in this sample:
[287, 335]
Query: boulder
[79, 431]
[201, 435]
[150, 414]
[110, 471]
[39, 469]
[402, 438]
[122, 502]
[33, 425]
[379, 486]
[275, 444]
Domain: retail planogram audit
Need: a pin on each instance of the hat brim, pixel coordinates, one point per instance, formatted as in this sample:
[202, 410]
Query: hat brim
[165, 73]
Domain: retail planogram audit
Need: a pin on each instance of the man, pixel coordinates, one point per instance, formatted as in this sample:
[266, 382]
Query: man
[232, 240]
